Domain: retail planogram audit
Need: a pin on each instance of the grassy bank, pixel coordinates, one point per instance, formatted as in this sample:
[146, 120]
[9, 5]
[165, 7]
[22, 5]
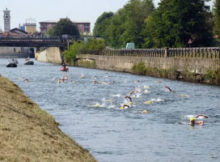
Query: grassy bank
[27, 133]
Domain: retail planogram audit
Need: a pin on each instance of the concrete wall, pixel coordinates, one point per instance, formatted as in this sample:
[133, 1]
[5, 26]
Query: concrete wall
[10, 50]
[18, 52]
[51, 55]
[125, 63]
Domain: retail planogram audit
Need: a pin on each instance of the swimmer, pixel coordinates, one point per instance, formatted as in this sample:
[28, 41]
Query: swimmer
[130, 100]
[201, 115]
[124, 106]
[146, 91]
[148, 102]
[26, 80]
[146, 87]
[105, 83]
[193, 121]
[65, 78]
[82, 76]
[60, 81]
[95, 82]
[170, 90]
[145, 112]
[132, 92]
[158, 81]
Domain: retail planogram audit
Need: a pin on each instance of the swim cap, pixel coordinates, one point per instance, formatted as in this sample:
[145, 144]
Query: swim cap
[192, 119]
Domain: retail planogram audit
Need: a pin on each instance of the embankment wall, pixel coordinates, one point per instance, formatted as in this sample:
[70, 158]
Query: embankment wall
[197, 61]
[51, 55]
[125, 63]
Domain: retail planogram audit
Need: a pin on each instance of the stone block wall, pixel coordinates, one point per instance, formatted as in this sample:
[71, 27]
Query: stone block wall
[51, 55]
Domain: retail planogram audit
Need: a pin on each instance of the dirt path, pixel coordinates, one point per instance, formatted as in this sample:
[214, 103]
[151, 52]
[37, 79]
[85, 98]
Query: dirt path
[27, 133]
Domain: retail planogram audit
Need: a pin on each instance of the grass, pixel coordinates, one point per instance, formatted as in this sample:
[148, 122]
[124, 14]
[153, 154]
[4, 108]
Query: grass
[28, 133]
[86, 63]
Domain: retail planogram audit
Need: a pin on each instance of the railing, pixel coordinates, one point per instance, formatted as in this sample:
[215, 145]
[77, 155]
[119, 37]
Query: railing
[203, 52]
[32, 41]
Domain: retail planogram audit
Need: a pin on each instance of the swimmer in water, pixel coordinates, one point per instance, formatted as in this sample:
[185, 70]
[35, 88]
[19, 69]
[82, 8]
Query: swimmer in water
[130, 100]
[26, 80]
[95, 82]
[193, 121]
[170, 90]
[132, 92]
[124, 106]
[145, 112]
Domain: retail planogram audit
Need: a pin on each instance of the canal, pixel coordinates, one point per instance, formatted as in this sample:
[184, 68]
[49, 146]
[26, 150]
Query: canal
[154, 128]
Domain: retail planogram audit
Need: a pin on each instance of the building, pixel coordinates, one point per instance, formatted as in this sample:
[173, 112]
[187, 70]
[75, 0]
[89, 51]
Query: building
[30, 28]
[15, 33]
[7, 20]
[46, 26]
[83, 27]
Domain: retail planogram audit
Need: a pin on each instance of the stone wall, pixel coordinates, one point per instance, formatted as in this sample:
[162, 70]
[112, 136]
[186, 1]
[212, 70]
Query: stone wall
[51, 55]
[125, 63]
[10, 50]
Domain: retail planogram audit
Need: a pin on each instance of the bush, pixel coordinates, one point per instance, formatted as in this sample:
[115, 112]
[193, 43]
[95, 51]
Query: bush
[70, 54]
[80, 47]
[94, 45]
[139, 68]
[213, 75]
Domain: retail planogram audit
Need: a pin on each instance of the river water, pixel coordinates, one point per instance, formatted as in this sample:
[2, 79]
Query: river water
[91, 113]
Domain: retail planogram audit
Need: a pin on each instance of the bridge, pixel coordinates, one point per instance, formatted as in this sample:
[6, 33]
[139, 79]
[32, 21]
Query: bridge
[34, 42]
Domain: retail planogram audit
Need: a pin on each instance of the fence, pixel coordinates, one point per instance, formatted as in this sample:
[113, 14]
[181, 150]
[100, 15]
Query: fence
[203, 52]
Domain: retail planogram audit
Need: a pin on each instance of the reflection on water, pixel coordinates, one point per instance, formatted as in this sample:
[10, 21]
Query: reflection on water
[153, 127]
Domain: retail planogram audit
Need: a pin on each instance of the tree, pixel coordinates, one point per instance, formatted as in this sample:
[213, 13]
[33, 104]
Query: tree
[126, 24]
[102, 23]
[217, 18]
[64, 26]
[177, 21]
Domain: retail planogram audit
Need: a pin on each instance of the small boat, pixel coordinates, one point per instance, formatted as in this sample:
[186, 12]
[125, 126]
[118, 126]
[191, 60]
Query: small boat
[12, 64]
[64, 68]
[29, 63]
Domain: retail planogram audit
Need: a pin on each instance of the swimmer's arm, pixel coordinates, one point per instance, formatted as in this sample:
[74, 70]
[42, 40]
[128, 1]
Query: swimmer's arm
[201, 115]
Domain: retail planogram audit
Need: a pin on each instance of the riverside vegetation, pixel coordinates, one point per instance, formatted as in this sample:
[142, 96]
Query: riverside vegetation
[210, 77]
[91, 46]
[28, 133]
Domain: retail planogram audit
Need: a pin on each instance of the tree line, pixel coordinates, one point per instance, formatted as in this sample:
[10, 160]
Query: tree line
[175, 23]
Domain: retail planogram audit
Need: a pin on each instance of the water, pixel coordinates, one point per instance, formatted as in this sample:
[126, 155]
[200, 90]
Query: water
[90, 113]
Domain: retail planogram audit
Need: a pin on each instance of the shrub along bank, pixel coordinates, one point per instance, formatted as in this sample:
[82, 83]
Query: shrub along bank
[92, 45]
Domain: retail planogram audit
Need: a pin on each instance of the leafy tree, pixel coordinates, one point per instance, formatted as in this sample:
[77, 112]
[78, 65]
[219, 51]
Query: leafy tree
[177, 21]
[64, 26]
[102, 23]
[217, 18]
[126, 25]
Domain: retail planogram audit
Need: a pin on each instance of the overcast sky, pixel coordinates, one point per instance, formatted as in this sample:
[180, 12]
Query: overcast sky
[53, 10]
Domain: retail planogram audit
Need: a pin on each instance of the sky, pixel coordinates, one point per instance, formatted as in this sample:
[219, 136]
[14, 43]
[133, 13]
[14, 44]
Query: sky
[53, 10]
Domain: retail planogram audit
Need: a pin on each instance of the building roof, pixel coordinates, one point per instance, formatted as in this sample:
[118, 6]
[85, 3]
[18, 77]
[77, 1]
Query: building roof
[48, 22]
[14, 33]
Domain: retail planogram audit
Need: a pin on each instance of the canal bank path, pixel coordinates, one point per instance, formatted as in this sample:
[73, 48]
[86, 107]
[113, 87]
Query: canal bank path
[28, 133]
